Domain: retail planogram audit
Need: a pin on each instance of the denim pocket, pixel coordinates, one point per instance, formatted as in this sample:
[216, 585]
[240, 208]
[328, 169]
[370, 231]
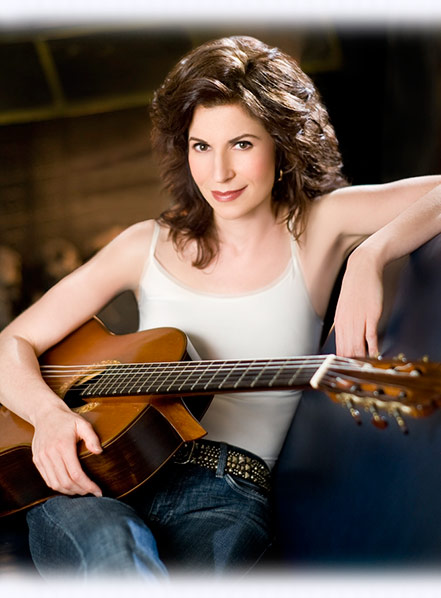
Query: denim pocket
[247, 489]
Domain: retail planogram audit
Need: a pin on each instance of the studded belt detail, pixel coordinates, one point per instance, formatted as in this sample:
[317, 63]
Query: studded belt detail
[241, 464]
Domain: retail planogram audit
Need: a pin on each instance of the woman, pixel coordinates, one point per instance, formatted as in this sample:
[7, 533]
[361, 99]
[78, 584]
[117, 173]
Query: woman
[244, 261]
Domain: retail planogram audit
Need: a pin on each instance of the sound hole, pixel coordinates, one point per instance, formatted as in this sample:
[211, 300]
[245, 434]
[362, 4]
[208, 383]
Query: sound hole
[74, 396]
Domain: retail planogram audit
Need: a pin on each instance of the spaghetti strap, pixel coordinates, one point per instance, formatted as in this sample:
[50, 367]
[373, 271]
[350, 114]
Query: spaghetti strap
[294, 250]
[150, 258]
[297, 264]
[155, 236]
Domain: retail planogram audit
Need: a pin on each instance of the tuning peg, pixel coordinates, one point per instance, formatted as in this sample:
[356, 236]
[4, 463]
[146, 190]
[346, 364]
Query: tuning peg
[425, 359]
[400, 357]
[400, 421]
[378, 420]
[353, 411]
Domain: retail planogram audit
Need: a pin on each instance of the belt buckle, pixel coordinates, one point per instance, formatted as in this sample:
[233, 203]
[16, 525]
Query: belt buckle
[189, 456]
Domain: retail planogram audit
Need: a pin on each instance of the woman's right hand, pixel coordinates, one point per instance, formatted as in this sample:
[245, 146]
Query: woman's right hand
[54, 447]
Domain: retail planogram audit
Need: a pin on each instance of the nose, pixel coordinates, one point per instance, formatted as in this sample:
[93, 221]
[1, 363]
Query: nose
[222, 168]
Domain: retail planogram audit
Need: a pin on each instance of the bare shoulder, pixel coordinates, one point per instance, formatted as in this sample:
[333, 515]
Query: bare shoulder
[360, 210]
[84, 292]
[129, 248]
[339, 221]
[137, 235]
[411, 187]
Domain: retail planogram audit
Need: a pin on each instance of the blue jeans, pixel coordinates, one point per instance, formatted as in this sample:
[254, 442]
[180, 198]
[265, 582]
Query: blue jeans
[187, 518]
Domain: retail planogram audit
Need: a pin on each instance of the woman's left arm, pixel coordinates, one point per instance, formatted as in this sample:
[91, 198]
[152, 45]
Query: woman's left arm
[398, 218]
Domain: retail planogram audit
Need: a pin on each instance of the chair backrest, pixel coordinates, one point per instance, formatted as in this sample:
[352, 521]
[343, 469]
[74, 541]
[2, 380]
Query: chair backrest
[351, 494]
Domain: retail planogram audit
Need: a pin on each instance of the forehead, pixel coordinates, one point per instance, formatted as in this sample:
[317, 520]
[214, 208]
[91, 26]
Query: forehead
[227, 120]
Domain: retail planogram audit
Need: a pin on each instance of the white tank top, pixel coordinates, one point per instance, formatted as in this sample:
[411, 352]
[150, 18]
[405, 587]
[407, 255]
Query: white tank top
[277, 320]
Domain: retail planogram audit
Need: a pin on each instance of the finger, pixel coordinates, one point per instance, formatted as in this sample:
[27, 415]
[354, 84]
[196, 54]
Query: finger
[372, 341]
[65, 477]
[77, 480]
[340, 336]
[351, 343]
[71, 479]
[43, 472]
[86, 433]
[356, 350]
[342, 345]
[57, 478]
[80, 483]
[61, 470]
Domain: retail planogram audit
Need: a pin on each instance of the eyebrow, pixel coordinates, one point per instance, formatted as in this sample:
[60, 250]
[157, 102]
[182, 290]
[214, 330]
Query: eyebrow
[235, 140]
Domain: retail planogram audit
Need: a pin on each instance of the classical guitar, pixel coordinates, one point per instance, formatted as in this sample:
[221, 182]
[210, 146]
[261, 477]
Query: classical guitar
[145, 398]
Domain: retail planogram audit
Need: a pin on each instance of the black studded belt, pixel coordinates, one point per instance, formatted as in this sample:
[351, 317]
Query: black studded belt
[242, 464]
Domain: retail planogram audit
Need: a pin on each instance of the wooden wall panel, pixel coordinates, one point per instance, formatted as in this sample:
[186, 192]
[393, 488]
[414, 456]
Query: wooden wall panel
[67, 186]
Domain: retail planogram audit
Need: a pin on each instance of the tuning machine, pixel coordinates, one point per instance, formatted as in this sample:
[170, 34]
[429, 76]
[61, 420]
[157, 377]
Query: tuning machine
[379, 421]
[396, 413]
[374, 407]
[400, 357]
[347, 400]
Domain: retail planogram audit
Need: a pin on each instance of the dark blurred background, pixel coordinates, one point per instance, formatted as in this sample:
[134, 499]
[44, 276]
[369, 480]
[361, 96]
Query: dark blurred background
[75, 159]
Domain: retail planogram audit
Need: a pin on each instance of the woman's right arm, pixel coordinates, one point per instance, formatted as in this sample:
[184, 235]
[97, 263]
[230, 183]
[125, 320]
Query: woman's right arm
[72, 301]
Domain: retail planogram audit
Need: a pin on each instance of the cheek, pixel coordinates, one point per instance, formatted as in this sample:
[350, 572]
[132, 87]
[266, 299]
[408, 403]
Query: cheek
[262, 169]
[198, 169]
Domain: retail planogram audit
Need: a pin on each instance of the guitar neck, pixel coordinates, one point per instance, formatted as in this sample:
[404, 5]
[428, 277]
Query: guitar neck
[201, 377]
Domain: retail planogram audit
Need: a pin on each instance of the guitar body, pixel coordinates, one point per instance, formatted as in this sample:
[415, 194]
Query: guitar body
[138, 433]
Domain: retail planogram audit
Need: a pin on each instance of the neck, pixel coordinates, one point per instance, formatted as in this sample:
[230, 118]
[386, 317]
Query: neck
[237, 240]
[247, 230]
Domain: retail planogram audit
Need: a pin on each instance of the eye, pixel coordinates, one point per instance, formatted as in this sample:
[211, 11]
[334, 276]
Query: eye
[200, 147]
[244, 144]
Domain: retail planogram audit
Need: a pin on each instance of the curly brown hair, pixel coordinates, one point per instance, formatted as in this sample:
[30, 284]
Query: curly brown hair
[271, 86]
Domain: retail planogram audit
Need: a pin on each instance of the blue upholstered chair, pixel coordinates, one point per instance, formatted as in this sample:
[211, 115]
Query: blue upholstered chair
[357, 495]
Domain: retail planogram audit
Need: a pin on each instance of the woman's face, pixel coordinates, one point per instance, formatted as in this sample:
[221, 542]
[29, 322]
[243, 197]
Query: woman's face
[232, 160]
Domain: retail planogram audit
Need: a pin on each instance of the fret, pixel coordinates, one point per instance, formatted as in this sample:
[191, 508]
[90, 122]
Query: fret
[208, 376]
[276, 375]
[181, 377]
[126, 380]
[297, 373]
[147, 388]
[230, 373]
[163, 381]
[199, 378]
[253, 384]
[180, 366]
[110, 383]
[236, 385]
[217, 373]
[95, 388]
[137, 382]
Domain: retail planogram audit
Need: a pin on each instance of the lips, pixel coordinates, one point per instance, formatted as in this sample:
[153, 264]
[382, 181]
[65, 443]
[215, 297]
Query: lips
[227, 195]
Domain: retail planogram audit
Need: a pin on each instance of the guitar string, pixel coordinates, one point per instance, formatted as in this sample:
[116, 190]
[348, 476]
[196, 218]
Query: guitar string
[133, 368]
[266, 378]
[203, 385]
[159, 375]
[159, 372]
[327, 380]
[196, 364]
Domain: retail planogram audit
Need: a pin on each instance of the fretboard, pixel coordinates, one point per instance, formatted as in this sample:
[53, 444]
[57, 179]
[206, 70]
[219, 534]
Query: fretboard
[202, 377]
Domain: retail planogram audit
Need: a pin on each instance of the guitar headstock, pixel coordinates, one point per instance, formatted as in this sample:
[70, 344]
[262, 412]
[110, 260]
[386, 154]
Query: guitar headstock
[384, 387]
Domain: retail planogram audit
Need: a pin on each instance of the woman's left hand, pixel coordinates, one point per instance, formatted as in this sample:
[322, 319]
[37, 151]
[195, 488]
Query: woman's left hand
[360, 305]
